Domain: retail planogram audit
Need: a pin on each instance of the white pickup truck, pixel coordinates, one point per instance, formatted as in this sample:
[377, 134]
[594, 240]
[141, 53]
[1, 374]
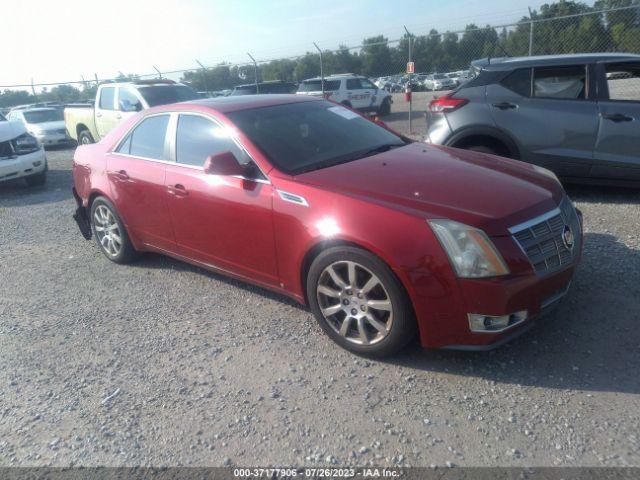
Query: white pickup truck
[117, 101]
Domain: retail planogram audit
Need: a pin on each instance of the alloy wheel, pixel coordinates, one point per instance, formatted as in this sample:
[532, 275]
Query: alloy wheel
[355, 303]
[107, 230]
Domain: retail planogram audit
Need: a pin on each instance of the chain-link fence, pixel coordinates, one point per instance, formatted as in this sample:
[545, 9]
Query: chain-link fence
[557, 28]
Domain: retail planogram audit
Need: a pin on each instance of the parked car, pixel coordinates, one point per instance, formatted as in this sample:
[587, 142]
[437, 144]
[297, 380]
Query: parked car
[381, 236]
[354, 91]
[438, 81]
[21, 156]
[275, 86]
[459, 77]
[46, 124]
[562, 112]
[87, 123]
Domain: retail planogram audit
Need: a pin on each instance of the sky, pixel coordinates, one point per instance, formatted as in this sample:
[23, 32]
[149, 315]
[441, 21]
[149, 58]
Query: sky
[62, 40]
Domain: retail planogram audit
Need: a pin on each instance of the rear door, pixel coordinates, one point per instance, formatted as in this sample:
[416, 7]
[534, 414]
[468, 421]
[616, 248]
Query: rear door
[222, 221]
[617, 152]
[552, 115]
[107, 116]
[136, 172]
[360, 93]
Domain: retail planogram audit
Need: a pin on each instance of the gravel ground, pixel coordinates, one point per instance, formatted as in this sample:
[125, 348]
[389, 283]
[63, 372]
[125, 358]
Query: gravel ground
[161, 363]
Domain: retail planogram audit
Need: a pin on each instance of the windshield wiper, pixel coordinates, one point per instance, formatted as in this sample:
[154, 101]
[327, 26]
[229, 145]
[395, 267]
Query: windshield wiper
[385, 147]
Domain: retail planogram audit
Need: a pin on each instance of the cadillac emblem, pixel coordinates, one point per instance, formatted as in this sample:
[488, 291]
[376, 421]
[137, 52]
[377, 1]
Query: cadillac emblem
[567, 237]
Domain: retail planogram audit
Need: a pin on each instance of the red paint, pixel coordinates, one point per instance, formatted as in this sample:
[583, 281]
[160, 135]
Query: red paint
[381, 203]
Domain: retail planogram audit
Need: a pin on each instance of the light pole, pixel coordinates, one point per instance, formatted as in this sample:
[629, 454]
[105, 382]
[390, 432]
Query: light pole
[255, 71]
[409, 84]
[204, 76]
[321, 70]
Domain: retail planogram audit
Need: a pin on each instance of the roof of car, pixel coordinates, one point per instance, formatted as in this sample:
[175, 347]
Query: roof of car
[505, 63]
[39, 109]
[245, 102]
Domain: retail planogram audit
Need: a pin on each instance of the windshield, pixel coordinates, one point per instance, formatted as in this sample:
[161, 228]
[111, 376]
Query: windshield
[42, 116]
[305, 136]
[314, 85]
[439, 76]
[246, 90]
[165, 94]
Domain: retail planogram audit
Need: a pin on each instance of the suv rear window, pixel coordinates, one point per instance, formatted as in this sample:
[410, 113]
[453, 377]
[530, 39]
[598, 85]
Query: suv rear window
[560, 82]
[314, 85]
[518, 81]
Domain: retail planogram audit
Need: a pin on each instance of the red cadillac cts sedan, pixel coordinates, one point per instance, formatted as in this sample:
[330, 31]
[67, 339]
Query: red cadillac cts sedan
[383, 238]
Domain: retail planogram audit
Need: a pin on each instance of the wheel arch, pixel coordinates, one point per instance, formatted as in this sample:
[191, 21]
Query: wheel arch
[488, 134]
[322, 245]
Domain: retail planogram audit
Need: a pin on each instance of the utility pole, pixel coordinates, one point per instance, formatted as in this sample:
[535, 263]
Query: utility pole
[33, 90]
[321, 70]
[159, 72]
[409, 84]
[530, 31]
[204, 76]
[255, 70]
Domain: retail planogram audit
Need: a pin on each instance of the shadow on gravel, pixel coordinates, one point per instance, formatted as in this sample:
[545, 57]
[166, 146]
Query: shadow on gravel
[16, 193]
[158, 261]
[601, 194]
[591, 342]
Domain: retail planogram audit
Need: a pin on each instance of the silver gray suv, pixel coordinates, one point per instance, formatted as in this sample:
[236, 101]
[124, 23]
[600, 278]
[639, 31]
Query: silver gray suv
[577, 115]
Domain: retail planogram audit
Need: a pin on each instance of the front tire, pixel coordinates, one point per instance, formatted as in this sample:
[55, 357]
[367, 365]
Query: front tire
[37, 180]
[359, 302]
[110, 233]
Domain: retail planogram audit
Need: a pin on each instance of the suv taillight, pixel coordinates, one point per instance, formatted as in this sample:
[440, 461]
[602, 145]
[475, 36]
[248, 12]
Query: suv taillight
[446, 104]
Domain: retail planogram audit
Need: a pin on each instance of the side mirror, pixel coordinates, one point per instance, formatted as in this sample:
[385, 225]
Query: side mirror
[224, 163]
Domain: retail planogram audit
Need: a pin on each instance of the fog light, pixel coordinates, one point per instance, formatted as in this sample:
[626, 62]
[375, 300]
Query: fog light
[492, 323]
[37, 164]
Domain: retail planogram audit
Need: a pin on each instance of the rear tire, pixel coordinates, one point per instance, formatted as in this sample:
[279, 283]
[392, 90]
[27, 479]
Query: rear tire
[346, 104]
[359, 302]
[482, 149]
[385, 108]
[110, 232]
[85, 138]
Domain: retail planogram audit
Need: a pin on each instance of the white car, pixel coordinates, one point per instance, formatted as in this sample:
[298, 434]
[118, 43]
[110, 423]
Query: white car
[21, 155]
[46, 124]
[351, 90]
[439, 81]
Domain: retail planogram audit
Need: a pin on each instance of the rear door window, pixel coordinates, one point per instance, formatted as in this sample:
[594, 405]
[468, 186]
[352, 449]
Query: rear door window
[623, 81]
[353, 84]
[567, 83]
[148, 139]
[518, 81]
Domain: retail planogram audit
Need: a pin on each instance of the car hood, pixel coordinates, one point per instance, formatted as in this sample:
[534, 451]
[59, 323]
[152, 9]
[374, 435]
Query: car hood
[11, 130]
[55, 125]
[485, 191]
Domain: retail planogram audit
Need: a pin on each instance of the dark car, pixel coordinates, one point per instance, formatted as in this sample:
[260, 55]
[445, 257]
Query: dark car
[265, 87]
[577, 115]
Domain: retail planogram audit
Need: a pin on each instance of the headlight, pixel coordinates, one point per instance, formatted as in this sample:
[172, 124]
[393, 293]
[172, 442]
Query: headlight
[25, 143]
[471, 253]
[546, 172]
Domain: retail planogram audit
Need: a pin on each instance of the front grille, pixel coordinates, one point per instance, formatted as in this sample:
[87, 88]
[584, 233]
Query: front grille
[541, 239]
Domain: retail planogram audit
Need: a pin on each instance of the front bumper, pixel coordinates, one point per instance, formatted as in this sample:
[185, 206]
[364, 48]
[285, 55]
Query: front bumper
[53, 139]
[22, 165]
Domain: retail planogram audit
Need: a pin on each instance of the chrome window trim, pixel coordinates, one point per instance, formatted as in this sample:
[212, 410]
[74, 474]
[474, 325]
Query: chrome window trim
[171, 141]
[293, 198]
[540, 218]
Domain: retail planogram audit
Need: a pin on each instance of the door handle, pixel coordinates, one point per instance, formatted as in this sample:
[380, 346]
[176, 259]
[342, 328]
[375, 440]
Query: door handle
[118, 116]
[505, 105]
[120, 175]
[98, 114]
[178, 190]
[617, 117]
